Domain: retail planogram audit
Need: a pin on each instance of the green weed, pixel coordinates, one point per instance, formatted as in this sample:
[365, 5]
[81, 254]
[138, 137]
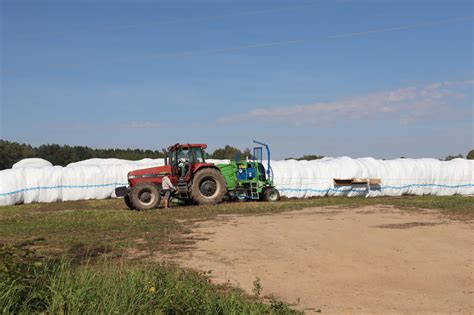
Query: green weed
[32, 284]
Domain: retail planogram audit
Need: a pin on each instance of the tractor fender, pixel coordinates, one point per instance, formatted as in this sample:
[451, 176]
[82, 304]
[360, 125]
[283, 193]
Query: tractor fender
[198, 167]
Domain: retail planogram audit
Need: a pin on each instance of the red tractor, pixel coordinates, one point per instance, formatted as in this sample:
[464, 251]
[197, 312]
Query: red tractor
[195, 180]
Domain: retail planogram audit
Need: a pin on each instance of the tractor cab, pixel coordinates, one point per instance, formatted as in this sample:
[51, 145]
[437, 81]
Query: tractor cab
[184, 159]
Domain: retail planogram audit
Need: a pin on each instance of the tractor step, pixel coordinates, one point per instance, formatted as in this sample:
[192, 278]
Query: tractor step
[254, 190]
[183, 190]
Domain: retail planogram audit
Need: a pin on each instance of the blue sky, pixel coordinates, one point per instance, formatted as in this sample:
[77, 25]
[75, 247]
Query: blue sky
[354, 78]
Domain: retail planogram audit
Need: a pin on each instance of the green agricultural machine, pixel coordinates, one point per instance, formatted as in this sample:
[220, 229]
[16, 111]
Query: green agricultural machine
[248, 179]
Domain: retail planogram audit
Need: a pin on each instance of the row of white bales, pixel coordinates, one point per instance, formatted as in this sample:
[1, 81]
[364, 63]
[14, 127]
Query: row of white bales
[37, 180]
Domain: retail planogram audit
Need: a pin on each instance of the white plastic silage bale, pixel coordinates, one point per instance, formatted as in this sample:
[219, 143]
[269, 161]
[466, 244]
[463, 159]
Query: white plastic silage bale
[12, 186]
[97, 178]
[32, 162]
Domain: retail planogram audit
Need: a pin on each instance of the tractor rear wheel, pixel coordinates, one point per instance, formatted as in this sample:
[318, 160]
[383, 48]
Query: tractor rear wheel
[208, 187]
[271, 194]
[128, 201]
[145, 196]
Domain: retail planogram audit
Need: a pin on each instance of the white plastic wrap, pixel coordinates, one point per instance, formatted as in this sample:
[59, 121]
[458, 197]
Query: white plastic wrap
[32, 162]
[88, 179]
[35, 180]
[304, 179]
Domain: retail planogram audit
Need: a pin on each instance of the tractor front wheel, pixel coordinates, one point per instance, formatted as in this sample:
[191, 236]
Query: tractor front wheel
[208, 187]
[128, 201]
[271, 194]
[145, 196]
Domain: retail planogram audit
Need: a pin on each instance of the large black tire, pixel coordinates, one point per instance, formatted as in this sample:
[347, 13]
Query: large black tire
[271, 195]
[241, 195]
[129, 202]
[208, 187]
[145, 196]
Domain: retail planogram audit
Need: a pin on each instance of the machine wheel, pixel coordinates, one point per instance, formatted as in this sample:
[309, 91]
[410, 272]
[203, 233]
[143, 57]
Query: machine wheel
[271, 194]
[145, 196]
[128, 201]
[241, 195]
[208, 187]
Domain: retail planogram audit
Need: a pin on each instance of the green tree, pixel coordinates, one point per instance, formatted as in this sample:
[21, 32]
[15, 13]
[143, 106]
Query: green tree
[12, 152]
[308, 157]
[452, 157]
[247, 154]
[228, 152]
[470, 155]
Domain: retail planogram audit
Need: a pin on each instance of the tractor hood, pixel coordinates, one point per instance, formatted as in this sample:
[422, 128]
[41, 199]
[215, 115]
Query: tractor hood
[152, 172]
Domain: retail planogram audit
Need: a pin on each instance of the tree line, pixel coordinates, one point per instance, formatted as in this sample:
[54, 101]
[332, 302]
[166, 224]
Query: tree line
[12, 152]
[309, 157]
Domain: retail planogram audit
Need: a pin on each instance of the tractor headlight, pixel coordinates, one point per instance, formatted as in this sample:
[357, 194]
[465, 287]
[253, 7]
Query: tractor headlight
[134, 176]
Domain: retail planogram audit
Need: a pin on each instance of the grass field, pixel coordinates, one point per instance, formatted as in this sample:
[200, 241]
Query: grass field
[70, 247]
[91, 228]
[31, 284]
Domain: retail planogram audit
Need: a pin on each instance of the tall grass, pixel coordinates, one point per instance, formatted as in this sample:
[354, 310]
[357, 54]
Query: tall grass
[31, 285]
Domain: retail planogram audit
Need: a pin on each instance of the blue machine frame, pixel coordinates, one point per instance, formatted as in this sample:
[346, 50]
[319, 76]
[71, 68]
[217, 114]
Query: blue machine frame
[268, 155]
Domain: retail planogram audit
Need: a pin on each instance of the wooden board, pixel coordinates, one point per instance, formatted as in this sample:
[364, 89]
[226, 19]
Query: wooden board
[356, 181]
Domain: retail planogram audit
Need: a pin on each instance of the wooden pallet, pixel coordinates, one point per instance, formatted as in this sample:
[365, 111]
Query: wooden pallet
[356, 181]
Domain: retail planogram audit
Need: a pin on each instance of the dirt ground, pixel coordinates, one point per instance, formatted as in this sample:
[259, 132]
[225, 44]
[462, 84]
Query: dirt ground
[373, 259]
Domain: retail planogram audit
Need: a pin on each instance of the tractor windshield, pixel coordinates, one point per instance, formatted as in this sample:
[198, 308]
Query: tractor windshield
[183, 155]
[198, 155]
[193, 155]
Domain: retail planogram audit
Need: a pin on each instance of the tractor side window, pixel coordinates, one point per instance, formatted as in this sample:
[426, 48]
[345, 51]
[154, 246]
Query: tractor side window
[183, 162]
[173, 158]
[198, 155]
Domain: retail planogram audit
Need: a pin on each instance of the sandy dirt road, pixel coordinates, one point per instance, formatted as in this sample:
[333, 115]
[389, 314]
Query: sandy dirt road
[363, 260]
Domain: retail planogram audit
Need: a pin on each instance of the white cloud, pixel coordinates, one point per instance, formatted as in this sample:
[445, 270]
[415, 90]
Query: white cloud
[407, 103]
